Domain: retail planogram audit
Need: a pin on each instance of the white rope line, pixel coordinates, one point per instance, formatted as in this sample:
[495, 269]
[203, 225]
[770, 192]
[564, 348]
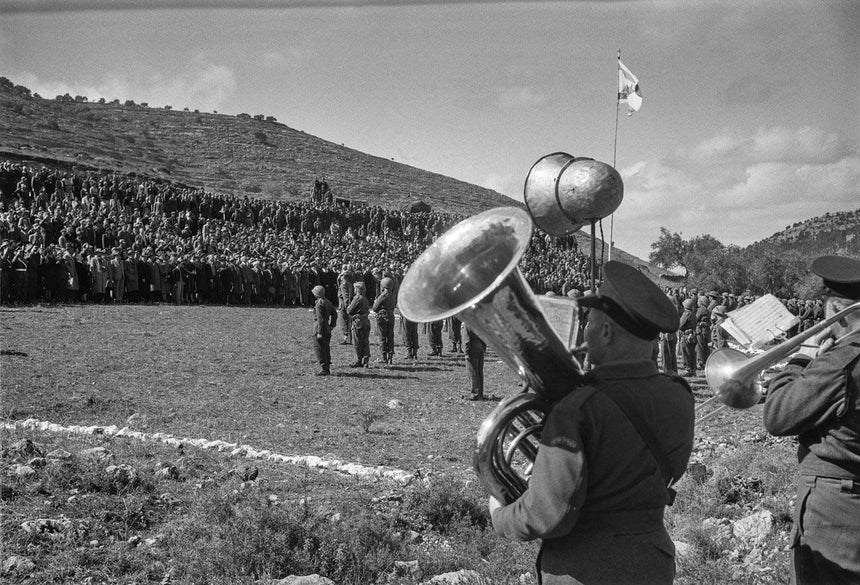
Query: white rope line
[234, 449]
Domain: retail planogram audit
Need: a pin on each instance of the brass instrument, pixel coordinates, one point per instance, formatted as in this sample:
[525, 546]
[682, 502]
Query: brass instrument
[471, 271]
[734, 377]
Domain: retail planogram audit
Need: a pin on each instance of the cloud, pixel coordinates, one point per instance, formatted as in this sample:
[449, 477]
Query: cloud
[204, 86]
[750, 188]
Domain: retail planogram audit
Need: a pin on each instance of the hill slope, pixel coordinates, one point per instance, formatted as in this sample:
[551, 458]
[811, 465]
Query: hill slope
[831, 233]
[239, 155]
[228, 154]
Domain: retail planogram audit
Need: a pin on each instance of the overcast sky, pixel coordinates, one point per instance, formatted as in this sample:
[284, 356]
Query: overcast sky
[750, 120]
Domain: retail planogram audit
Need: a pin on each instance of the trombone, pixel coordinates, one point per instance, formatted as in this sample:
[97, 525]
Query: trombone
[734, 377]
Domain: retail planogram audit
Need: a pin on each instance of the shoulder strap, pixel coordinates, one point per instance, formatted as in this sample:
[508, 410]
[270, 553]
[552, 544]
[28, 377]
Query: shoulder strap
[649, 439]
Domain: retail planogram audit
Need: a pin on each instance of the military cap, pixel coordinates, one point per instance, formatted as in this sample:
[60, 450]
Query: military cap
[630, 299]
[318, 291]
[840, 274]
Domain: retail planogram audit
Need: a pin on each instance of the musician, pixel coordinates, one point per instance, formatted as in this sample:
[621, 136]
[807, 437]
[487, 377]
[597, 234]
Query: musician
[609, 449]
[817, 398]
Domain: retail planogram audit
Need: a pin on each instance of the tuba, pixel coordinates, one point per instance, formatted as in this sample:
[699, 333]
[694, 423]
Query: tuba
[471, 271]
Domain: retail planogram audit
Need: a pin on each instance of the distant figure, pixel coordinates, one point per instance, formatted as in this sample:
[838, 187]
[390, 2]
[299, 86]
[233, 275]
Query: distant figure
[359, 311]
[475, 350]
[383, 306]
[325, 318]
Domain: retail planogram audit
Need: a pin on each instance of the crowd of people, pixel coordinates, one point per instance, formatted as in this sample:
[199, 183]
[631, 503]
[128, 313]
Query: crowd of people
[100, 237]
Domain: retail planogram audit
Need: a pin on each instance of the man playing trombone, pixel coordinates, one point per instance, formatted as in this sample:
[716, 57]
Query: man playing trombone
[817, 398]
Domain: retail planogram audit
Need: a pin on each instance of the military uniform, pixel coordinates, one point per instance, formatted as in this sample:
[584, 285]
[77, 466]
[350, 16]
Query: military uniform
[359, 311]
[325, 318]
[608, 451]
[818, 399]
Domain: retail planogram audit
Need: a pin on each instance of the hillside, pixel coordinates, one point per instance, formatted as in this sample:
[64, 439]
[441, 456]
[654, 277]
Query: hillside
[831, 233]
[239, 155]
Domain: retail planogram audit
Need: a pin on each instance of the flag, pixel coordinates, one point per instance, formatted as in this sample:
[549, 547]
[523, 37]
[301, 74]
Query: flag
[628, 89]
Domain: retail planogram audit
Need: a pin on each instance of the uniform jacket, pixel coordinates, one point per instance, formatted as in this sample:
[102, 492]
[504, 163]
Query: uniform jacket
[819, 401]
[325, 317]
[594, 479]
[359, 309]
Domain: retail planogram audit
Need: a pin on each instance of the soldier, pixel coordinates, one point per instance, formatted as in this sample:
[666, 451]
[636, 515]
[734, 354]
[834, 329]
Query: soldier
[816, 398]
[345, 280]
[609, 450]
[325, 319]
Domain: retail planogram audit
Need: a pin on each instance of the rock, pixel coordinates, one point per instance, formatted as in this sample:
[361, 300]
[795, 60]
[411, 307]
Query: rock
[461, 577]
[409, 569]
[22, 471]
[169, 471]
[394, 404]
[303, 580]
[753, 529]
[97, 453]
[23, 449]
[698, 472]
[133, 541]
[122, 475]
[412, 537]
[682, 549]
[18, 565]
[45, 526]
[59, 454]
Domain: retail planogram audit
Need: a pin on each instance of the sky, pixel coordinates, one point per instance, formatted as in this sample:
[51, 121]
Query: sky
[749, 121]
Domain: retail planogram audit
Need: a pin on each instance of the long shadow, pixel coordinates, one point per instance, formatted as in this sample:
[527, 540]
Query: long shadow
[372, 376]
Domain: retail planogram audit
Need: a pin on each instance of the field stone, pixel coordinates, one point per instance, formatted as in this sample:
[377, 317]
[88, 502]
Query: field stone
[461, 577]
[59, 454]
[314, 579]
[122, 474]
[17, 564]
[753, 529]
[22, 471]
[23, 449]
[683, 550]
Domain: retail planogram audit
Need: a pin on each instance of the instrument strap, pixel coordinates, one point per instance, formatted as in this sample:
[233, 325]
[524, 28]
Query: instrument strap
[649, 439]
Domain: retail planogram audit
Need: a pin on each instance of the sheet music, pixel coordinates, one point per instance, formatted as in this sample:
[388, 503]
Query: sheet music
[563, 317]
[760, 322]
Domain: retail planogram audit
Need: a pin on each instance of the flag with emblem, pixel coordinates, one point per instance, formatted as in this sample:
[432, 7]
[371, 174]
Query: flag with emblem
[628, 89]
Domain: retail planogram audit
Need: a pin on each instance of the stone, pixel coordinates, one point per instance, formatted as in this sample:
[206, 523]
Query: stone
[17, 564]
[168, 471]
[22, 471]
[314, 579]
[683, 550]
[122, 474]
[60, 454]
[394, 404]
[753, 529]
[23, 449]
[461, 577]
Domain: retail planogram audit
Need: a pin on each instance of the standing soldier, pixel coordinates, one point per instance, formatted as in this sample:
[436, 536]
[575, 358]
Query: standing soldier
[345, 280]
[719, 336]
[703, 332]
[383, 306]
[455, 334]
[359, 311]
[475, 350]
[688, 337]
[325, 318]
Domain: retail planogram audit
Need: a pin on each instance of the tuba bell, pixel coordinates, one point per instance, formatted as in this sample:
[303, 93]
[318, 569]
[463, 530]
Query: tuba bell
[471, 271]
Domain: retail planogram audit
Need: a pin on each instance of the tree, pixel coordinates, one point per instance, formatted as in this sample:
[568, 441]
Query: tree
[669, 249]
[699, 250]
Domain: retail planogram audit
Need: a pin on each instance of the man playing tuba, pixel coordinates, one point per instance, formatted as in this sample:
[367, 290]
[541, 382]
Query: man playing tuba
[609, 449]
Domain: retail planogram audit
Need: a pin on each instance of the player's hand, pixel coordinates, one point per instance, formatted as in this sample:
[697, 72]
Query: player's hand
[817, 344]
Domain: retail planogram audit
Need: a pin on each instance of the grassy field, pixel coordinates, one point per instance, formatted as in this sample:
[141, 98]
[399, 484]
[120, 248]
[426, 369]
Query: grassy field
[245, 375]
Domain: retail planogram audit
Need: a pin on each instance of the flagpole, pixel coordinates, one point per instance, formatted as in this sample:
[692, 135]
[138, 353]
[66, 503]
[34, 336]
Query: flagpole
[614, 156]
